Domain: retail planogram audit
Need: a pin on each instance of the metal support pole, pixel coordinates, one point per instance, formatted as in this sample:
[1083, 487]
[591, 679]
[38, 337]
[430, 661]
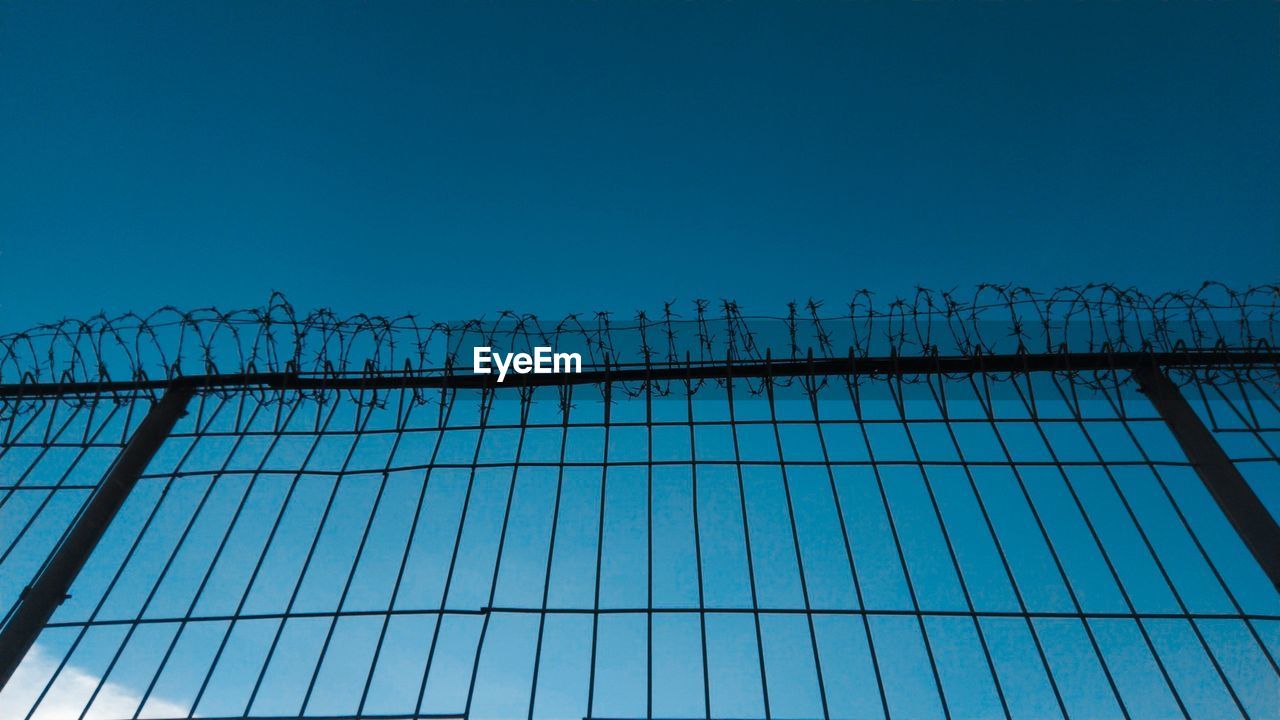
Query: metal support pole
[43, 596]
[1251, 519]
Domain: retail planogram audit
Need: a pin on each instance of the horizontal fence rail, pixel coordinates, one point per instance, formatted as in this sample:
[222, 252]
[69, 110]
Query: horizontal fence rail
[1266, 360]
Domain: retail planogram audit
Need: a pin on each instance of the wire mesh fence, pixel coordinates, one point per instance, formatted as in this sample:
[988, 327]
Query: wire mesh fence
[837, 545]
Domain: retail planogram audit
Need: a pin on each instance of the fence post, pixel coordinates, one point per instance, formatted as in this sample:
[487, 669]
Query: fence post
[1246, 513]
[49, 589]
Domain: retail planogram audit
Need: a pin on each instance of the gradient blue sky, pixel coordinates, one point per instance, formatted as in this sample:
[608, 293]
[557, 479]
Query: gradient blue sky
[456, 159]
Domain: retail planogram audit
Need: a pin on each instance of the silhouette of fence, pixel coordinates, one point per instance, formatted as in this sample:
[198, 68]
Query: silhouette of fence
[1017, 506]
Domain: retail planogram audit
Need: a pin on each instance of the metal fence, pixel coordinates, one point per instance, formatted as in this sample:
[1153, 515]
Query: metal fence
[749, 525]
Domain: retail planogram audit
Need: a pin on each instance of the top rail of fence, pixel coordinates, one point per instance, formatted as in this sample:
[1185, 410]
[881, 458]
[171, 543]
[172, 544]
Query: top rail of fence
[1088, 329]
[1104, 363]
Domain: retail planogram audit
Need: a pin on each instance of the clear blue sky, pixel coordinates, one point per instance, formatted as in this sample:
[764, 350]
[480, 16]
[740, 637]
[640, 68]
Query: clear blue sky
[458, 159]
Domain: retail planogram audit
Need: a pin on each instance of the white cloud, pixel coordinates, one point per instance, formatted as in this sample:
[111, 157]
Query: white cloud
[67, 698]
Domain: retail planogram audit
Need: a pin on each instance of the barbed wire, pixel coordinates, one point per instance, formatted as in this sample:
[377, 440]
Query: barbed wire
[989, 319]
